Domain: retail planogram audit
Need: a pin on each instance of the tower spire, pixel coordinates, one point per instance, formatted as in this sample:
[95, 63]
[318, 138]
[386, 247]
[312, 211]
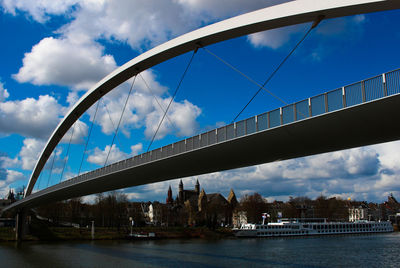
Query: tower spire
[169, 196]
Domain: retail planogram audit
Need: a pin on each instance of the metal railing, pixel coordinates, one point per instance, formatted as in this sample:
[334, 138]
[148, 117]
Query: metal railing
[367, 90]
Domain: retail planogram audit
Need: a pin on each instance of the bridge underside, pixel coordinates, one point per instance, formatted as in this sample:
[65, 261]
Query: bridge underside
[365, 124]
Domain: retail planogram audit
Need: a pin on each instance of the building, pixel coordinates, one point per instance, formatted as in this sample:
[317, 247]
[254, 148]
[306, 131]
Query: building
[358, 213]
[199, 208]
[239, 218]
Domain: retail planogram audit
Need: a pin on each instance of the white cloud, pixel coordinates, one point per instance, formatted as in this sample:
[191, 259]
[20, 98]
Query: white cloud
[136, 149]
[275, 38]
[361, 173]
[78, 131]
[182, 115]
[143, 110]
[30, 152]
[3, 93]
[8, 177]
[7, 162]
[13, 176]
[99, 156]
[39, 10]
[89, 199]
[65, 62]
[36, 118]
[138, 23]
[30, 117]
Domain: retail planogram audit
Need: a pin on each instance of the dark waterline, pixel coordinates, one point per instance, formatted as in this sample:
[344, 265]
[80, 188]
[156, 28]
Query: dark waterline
[377, 250]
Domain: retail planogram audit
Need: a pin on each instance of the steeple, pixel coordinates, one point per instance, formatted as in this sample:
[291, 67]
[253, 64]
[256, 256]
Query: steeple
[197, 187]
[202, 201]
[169, 196]
[232, 199]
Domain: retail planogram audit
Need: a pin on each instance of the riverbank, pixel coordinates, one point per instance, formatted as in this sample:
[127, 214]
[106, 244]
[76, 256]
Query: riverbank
[44, 233]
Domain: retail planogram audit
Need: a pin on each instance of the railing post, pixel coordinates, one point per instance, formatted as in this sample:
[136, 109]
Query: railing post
[280, 116]
[295, 112]
[344, 97]
[385, 93]
[268, 121]
[256, 120]
[363, 91]
[326, 102]
[309, 108]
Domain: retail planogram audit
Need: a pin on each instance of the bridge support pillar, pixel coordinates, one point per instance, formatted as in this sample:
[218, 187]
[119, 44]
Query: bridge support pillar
[20, 225]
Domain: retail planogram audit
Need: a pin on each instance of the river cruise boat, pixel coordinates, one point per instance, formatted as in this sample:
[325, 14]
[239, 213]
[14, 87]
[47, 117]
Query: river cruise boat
[304, 227]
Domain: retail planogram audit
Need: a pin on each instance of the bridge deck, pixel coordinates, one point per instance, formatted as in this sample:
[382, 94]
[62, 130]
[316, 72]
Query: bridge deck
[363, 113]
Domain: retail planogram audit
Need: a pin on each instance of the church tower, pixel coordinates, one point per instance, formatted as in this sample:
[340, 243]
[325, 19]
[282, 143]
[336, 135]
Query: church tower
[197, 187]
[169, 200]
[202, 201]
[232, 199]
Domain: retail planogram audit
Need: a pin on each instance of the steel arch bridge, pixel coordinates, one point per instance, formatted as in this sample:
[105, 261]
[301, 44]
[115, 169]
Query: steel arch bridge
[286, 14]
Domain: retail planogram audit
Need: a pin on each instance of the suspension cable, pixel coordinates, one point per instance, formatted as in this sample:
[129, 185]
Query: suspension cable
[243, 74]
[109, 116]
[315, 23]
[87, 141]
[120, 119]
[38, 181]
[173, 97]
[51, 168]
[159, 104]
[67, 154]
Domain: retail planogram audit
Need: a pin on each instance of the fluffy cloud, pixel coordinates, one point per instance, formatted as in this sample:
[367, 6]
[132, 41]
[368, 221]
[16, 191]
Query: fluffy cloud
[30, 152]
[36, 118]
[361, 173]
[7, 162]
[78, 131]
[138, 23]
[30, 117]
[275, 38]
[145, 108]
[182, 116]
[99, 156]
[8, 177]
[38, 10]
[3, 93]
[65, 62]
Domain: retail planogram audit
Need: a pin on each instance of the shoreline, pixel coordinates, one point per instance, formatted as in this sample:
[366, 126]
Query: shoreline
[7, 234]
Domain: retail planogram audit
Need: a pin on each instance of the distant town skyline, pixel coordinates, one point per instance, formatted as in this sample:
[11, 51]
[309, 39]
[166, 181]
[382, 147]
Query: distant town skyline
[54, 51]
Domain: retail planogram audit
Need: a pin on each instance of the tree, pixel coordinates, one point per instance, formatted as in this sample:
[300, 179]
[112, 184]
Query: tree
[254, 205]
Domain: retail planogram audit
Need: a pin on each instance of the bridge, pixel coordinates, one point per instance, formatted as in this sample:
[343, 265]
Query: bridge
[363, 113]
[360, 114]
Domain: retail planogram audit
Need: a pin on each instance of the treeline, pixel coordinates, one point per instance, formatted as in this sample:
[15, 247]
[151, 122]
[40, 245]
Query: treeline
[299, 207]
[108, 210]
[114, 210]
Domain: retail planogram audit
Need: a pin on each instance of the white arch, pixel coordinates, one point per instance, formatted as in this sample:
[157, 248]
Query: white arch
[290, 13]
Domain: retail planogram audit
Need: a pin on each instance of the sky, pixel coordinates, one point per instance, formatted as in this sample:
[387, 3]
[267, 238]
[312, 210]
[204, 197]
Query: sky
[53, 51]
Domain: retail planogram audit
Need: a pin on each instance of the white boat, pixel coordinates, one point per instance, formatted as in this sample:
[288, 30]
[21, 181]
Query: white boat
[304, 227]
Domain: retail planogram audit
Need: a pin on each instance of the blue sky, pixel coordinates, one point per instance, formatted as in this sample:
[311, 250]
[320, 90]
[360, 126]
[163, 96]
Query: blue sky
[52, 52]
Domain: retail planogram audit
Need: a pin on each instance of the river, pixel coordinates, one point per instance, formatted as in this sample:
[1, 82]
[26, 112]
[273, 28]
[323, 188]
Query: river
[375, 250]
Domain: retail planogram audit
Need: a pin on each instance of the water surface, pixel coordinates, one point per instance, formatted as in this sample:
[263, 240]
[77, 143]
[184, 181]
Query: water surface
[377, 250]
